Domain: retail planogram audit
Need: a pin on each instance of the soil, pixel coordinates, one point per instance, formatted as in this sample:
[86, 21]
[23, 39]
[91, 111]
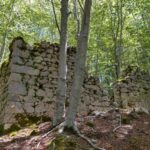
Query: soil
[114, 130]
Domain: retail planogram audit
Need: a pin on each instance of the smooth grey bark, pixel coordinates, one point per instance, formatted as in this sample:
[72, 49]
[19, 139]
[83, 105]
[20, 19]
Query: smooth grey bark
[61, 93]
[79, 65]
[76, 17]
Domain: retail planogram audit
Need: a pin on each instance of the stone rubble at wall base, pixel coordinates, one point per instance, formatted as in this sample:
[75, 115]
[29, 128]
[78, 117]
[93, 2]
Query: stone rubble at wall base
[133, 90]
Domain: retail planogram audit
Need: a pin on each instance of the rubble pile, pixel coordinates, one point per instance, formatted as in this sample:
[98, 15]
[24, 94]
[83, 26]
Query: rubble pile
[133, 90]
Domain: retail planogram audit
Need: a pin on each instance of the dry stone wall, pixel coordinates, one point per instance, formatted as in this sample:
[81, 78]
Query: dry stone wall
[133, 90]
[32, 82]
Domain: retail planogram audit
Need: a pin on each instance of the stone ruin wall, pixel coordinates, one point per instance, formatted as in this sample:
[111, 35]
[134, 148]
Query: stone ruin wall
[31, 82]
[133, 90]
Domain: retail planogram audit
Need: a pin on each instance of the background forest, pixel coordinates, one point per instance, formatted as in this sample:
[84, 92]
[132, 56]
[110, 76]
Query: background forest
[119, 31]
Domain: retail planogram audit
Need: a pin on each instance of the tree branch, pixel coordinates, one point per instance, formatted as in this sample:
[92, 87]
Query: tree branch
[55, 16]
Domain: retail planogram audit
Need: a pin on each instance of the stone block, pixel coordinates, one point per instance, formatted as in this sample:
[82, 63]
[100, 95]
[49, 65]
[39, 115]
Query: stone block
[40, 93]
[31, 93]
[17, 60]
[24, 70]
[15, 77]
[17, 52]
[17, 88]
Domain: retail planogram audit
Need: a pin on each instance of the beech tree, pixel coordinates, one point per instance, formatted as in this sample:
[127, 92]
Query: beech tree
[79, 65]
[61, 93]
[117, 21]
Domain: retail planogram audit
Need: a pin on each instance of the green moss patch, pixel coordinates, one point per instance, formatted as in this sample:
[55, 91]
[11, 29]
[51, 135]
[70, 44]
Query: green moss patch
[63, 142]
[90, 124]
[13, 128]
[24, 120]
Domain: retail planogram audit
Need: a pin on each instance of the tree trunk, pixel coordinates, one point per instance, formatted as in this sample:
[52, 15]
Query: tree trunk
[76, 17]
[79, 65]
[117, 34]
[61, 93]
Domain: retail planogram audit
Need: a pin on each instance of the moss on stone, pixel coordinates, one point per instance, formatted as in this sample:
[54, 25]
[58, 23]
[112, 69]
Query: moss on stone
[26, 120]
[126, 120]
[14, 127]
[22, 120]
[1, 129]
[63, 142]
[90, 124]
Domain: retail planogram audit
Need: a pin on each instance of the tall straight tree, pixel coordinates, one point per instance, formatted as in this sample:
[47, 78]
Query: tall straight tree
[79, 65]
[117, 22]
[61, 93]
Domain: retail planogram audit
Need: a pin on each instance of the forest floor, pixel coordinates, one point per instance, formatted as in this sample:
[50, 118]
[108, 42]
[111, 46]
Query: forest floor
[133, 134]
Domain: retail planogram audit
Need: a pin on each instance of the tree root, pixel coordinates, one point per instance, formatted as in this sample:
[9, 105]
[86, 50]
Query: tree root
[51, 130]
[120, 124]
[87, 139]
[61, 127]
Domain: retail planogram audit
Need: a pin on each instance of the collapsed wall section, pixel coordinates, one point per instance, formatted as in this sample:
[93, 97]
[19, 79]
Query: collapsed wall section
[133, 90]
[32, 83]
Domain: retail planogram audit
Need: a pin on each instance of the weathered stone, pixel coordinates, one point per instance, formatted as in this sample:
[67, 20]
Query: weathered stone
[105, 98]
[31, 93]
[17, 52]
[40, 93]
[29, 107]
[38, 59]
[17, 60]
[17, 88]
[124, 90]
[24, 70]
[46, 73]
[43, 81]
[49, 92]
[142, 110]
[15, 77]
[32, 81]
[29, 63]
[25, 54]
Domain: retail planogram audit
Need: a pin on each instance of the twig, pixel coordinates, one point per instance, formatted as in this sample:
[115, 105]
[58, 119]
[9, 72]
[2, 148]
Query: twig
[81, 5]
[53, 129]
[87, 139]
[55, 16]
